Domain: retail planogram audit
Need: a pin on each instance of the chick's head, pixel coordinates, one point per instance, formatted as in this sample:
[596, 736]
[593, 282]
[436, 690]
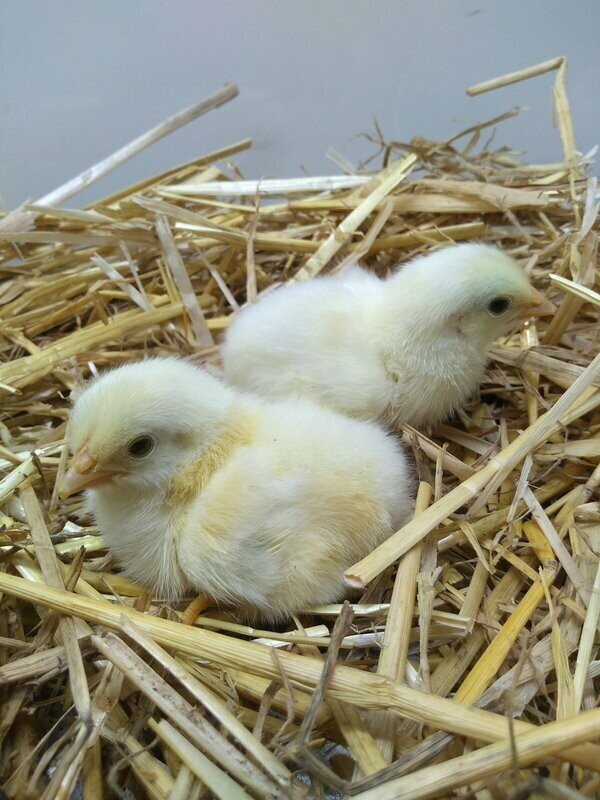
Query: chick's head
[136, 425]
[476, 290]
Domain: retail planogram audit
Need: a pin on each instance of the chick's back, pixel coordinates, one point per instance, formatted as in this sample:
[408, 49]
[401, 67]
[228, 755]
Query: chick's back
[314, 340]
[411, 348]
[285, 516]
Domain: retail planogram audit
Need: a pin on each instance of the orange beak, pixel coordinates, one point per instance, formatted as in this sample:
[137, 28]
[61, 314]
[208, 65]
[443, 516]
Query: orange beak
[82, 473]
[538, 306]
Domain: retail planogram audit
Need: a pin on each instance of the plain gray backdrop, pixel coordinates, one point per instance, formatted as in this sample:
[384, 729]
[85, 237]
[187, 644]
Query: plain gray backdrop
[79, 79]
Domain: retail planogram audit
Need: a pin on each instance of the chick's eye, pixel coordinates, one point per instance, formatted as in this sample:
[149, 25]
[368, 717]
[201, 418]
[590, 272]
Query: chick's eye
[499, 305]
[141, 446]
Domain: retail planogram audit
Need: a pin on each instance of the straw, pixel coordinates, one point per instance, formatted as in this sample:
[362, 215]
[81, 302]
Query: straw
[383, 186]
[587, 640]
[488, 761]
[490, 476]
[516, 77]
[48, 563]
[131, 700]
[358, 688]
[18, 220]
[394, 648]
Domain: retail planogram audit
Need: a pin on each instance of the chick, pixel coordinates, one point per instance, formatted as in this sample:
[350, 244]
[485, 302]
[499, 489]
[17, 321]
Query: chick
[408, 349]
[197, 487]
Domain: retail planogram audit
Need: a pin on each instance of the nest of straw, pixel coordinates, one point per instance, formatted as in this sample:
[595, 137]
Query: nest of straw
[468, 665]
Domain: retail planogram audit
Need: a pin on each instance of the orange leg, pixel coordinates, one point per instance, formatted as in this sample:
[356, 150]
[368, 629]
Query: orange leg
[195, 608]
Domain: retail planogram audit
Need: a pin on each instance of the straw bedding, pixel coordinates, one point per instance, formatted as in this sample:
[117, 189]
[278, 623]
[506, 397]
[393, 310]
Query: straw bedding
[466, 664]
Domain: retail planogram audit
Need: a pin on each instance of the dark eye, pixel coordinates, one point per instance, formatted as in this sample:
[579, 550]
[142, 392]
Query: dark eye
[499, 305]
[141, 446]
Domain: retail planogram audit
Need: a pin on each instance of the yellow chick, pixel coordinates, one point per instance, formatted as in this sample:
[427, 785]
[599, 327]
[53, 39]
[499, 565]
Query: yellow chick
[197, 487]
[411, 348]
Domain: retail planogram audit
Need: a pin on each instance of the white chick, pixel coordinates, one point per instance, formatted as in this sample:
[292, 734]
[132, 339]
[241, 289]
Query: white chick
[408, 349]
[197, 487]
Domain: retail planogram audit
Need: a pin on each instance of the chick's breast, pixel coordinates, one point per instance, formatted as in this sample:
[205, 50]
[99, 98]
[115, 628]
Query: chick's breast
[314, 340]
[277, 526]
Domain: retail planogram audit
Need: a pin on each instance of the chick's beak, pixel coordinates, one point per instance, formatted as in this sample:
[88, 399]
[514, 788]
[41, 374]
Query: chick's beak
[82, 473]
[537, 306]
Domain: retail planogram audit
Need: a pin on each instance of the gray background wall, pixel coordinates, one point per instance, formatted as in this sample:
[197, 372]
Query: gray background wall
[79, 79]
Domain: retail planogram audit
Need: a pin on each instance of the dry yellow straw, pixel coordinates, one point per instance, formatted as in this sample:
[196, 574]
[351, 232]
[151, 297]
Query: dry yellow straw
[184, 285]
[587, 640]
[23, 371]
[540, 744]
[577, 289]
[49, 566]
[484, 671]
[358, 688]
[515, 77]
[212, 703]
[214, 778]
[85, 290]
[493, 473]
[394, 649]
[396, 173]
[18, 220]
